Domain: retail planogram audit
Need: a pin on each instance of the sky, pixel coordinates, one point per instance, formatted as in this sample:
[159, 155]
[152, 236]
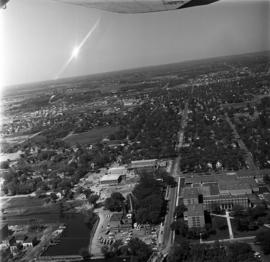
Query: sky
[38, 36]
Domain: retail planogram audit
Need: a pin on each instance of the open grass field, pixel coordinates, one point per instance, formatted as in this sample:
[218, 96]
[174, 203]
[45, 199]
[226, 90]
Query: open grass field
[90, 137]
[24, 202]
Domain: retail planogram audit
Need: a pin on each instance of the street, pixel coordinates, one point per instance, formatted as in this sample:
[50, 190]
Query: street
[249, 157]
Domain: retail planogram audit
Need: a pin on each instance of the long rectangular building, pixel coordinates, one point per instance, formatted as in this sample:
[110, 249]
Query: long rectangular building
[146, 165]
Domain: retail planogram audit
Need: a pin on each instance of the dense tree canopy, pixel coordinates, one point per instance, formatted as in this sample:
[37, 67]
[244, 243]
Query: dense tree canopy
[263, 238]
[149, 195]
[234, 252]
[115, 202]
[139, 250]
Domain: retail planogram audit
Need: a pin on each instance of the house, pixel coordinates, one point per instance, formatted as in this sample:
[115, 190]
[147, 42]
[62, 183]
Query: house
[20, 238]
[28, 242]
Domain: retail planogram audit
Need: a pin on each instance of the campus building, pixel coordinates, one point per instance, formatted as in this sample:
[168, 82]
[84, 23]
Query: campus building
[224, 202]
[212, 192]
[195, 216]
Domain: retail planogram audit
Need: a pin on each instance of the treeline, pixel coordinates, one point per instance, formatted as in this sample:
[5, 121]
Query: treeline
[149, 200]
[233, 252]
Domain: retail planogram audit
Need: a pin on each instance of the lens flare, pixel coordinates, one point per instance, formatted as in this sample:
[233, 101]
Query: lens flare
[75, 52]
[77, 49]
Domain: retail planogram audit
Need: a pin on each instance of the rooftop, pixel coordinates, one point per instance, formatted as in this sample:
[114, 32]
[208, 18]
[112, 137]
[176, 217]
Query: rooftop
[222, 182]
[190, 192]
[117, 170]
[110, 177]
[225, 197]
[214, 189]
[195, 210]
[143, 163]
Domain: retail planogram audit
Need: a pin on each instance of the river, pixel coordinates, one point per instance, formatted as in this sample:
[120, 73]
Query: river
[74, 238]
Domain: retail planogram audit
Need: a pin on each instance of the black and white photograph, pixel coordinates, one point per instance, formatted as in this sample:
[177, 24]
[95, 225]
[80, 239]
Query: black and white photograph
[135, 130]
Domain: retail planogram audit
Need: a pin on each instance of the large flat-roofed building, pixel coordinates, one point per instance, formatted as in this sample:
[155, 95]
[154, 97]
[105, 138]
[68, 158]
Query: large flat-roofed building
[227, 184]
[222, 191]
[111, 179]
[144, 165]
[190, 196]
[120, 170]
[114, 175]
[224, 202]
[195, 216]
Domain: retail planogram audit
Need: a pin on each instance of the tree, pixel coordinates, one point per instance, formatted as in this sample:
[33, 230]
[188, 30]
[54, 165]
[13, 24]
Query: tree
[266, 179]
[263, 238]
[167, 179]
[150, 202]
[139, 249]
[35, 241]
[180, 227]
[242, 223]
[179, 210]
[93, 199]
[238, 210]
[53, 196]
[4, 165]
[115, 247]
[179, 252]
[106, 252]
[84, 252]
[114, 202]
[240, 252]
[88, 192]
[258, 211]
[90, 218]
[235, 252]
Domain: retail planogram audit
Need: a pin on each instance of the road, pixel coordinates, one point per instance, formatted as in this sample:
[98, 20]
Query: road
[182, 128]
[168, 235]
[94, 245]
[249, 157]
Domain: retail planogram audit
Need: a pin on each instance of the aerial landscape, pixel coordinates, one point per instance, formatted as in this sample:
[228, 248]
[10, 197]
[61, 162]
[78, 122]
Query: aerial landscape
[156, 162]
[157, 151]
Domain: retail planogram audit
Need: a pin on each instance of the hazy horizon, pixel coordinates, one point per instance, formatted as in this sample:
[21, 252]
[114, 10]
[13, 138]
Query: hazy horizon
[129, 69]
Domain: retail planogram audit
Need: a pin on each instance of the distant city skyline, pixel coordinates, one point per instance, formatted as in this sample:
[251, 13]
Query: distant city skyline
[40, 36]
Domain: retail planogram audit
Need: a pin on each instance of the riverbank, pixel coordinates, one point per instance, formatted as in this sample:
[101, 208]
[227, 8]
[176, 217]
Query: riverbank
[75, 237]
